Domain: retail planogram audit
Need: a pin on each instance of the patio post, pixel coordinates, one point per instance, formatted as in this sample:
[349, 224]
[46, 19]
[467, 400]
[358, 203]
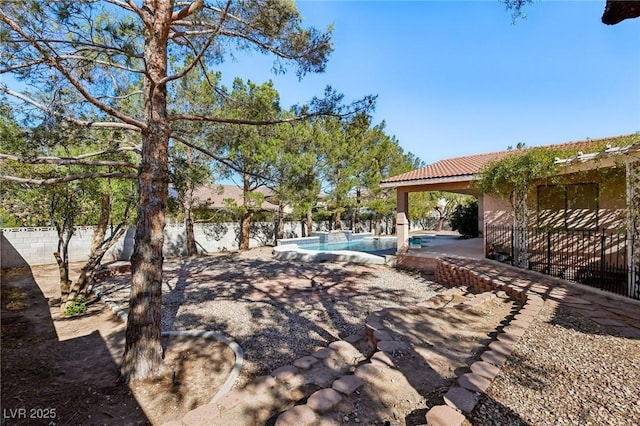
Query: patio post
[402, 221]
[633, 218]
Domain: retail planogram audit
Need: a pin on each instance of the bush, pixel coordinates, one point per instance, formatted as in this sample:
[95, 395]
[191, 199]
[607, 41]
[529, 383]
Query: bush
[77, 306]
[465, 219]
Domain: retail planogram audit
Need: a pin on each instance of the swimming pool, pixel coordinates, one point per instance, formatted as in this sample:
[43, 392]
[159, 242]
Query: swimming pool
[365, 245]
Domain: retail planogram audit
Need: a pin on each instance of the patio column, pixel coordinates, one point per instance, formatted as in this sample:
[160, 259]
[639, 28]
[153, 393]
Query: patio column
[402, 221]
[633, 226]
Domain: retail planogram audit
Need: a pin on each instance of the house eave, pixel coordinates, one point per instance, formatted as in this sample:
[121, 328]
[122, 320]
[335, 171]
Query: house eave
[428, 181]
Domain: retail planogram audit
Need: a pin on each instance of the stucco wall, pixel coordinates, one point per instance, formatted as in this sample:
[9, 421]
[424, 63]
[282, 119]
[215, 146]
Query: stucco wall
[495, 211]
[611, 202]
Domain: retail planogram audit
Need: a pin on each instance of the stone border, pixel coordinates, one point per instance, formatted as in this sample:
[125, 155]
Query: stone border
[465, 394]
[211, 335]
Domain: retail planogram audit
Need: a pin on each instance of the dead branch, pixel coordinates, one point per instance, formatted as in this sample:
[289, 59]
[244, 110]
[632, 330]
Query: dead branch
[67, 161]
[83, 123]
[71, 178]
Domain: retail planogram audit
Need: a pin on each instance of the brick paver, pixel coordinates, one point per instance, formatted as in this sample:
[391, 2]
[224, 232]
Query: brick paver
[324, 400]
[301, 415]
[347, 384]
[462, 399]
[441, 415]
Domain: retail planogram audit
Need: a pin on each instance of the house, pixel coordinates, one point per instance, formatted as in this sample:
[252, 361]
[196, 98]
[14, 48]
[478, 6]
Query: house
[220, 197]
[214, 200]
[579, 201]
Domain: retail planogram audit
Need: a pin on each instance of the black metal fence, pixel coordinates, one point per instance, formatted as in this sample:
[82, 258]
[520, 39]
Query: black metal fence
[594, 258]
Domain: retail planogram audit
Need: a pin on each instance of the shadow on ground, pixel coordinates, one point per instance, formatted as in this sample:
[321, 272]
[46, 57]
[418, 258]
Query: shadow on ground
[46, 381]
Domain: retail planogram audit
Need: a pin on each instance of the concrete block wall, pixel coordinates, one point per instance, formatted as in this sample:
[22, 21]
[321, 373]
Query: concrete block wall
[35, 246]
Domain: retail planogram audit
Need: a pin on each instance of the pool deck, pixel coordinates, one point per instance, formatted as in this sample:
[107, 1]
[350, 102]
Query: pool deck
[434, 246]
[293, 252]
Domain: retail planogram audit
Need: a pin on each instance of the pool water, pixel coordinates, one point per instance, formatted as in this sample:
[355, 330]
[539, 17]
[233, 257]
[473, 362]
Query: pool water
[366, 245]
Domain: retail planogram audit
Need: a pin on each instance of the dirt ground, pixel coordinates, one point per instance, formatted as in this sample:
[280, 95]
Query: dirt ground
[64, 371]
[59, 371]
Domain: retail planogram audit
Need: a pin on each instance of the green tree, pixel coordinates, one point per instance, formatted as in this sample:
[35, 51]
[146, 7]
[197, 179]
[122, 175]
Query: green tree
[188, 169]
[386, 158]
[195, 92]
[424, 206]
[615, 11]
[296, 168]
[248, 150]
[344, 147]
[47, 186]
[96, 50]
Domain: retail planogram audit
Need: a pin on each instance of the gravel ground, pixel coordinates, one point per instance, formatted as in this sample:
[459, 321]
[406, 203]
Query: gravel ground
[566, 370]
[277, 311]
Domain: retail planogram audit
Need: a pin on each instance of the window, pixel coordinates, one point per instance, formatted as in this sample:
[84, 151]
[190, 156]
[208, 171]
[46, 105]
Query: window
[572, 206]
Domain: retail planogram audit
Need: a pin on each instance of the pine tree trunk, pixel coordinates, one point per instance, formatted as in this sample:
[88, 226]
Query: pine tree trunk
[309, 222]
[143, 350]
[245, 229]
[280, 232]
[356, 214]
[192, 248]
[245, 222]
[65, 232]
[100, 231]
[81, 287]
[65, 283]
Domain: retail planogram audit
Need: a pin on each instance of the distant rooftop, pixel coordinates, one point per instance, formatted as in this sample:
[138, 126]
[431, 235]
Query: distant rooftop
[214, 196]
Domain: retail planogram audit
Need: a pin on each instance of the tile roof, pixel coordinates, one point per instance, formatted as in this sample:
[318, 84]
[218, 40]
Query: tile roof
[464, 168]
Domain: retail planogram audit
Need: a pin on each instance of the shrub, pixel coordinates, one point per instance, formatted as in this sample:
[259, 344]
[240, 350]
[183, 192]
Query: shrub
[465, 219]
[77, 306]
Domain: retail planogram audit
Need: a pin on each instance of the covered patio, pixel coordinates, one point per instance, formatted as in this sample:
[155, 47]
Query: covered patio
[614, 205]
[426, 257]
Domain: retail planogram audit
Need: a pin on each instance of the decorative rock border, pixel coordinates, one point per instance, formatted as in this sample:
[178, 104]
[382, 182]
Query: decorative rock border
[465, 394]
[211, 335]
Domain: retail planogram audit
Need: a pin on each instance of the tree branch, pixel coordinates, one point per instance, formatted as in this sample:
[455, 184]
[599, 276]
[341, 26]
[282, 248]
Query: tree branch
[200, 54]
[98, 61]
[67, 161]
[55, 63]
[92, 124]
[216, 157]
[23, 65]
[187, 10]
[64, 179]
[202, 118]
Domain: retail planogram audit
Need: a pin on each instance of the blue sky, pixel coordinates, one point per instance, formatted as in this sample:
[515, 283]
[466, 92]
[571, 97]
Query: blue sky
[456, 78]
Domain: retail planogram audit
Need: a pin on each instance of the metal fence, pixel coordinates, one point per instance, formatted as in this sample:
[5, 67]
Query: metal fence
[595, 258]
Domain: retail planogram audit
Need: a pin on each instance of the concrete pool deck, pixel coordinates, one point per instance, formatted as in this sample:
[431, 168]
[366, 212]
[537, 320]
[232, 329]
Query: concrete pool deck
[294, 252]
[432, 246]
